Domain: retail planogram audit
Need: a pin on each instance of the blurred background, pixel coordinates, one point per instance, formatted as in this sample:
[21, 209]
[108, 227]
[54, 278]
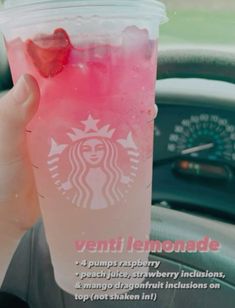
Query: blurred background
[201, 22]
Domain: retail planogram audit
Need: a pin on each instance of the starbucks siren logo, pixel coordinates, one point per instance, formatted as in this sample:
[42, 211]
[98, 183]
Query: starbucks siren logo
[88, 170]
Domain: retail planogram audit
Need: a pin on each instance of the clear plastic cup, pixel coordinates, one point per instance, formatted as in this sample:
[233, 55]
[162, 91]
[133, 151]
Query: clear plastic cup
[91, 141]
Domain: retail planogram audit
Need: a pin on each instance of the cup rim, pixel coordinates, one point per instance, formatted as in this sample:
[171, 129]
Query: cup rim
[33, 11]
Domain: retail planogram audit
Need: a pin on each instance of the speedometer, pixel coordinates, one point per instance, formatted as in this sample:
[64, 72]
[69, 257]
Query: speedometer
[204, 136]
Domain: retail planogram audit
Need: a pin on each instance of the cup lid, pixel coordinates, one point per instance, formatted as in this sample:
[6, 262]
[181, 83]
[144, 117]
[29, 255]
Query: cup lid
[33, 9]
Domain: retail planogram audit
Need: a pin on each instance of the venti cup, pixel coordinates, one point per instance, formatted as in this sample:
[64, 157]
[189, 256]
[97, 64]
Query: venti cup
[91, 141]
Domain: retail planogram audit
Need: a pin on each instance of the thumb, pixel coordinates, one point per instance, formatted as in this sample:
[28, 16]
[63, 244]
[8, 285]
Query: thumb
[17, 108]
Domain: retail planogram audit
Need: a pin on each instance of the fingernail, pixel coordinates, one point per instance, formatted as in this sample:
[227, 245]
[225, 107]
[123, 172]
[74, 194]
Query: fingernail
[155, 111]
[21, 91]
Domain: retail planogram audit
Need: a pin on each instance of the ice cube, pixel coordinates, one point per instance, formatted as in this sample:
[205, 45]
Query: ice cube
[138, 41]
[133, 38]
[101, 52]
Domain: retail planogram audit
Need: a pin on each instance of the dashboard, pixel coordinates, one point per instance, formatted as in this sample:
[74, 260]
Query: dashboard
[194, 154]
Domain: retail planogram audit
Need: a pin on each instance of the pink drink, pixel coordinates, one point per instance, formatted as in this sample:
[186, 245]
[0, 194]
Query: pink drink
[91, 144]
[91, 140]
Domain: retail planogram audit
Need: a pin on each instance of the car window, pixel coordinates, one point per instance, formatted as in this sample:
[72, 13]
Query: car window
[203, 23]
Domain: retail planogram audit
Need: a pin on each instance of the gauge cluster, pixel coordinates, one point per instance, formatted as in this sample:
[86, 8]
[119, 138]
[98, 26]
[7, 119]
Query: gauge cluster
[195, 132]
[194, 157]
[205, 136]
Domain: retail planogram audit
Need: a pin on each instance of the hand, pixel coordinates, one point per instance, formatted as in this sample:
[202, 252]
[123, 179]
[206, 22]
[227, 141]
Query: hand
[18, 196]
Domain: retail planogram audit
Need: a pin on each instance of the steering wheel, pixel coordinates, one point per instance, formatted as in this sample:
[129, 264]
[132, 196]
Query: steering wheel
[206, 64]
[193, 63]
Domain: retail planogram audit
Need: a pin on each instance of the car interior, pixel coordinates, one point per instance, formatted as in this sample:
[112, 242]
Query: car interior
[193, 168]
[192, 196]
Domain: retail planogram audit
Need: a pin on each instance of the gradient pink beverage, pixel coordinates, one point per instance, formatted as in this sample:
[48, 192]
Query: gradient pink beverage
[91, 145]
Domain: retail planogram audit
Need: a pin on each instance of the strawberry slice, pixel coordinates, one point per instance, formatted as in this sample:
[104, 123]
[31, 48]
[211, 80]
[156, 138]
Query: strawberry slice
[50, 53]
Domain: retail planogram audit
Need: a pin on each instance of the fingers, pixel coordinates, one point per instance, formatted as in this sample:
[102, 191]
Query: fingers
[17, 108]
[18, 196]
[19, 105]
